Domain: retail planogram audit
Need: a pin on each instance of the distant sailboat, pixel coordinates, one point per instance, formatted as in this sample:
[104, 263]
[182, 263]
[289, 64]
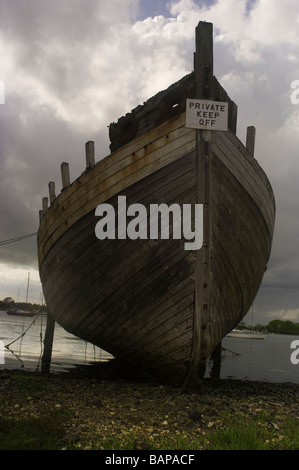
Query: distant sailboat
[247, 334]
[20, 312]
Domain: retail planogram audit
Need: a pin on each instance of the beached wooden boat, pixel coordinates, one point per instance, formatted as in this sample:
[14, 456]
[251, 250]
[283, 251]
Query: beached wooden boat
[149, 301]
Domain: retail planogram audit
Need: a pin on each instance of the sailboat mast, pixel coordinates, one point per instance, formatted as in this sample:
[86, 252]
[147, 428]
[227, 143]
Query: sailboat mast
[28, 280]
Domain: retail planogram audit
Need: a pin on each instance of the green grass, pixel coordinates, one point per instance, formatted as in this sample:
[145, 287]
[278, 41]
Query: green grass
[257, 433]
[29, 385]
[239, 437]
[41, 433]
[46, 433]
[139, 443]
[288, 439]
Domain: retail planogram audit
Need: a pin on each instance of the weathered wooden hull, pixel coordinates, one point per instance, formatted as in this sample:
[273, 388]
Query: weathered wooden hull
[151, 302]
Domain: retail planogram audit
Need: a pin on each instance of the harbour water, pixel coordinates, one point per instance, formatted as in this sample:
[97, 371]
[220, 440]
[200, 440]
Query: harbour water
[246, 359]
[255, 359]
[27, 335]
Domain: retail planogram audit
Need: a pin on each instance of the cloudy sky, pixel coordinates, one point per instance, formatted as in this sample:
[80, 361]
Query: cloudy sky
[68, 68]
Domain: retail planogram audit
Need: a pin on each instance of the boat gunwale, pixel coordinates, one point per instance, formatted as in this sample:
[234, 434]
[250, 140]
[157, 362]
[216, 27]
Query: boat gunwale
[47, 226]
[48, 232]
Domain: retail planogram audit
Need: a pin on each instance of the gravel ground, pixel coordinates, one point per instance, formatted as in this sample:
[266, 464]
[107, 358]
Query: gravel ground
[98, 406]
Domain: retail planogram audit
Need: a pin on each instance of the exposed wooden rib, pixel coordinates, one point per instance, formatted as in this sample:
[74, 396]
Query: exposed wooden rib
[45, 202]
[65, 175]
[52, 194]
[250, 139]
[89, 155]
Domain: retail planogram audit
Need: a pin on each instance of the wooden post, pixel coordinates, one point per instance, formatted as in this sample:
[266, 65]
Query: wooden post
[49, 333]
[52, 192]
[216, 368]
[203, 66]
[45, 204]
[65, 175]
[233, 117]
[48, 344]
[250, 139]
[204, 61]
[204, 90]
[41, 215]
[89, 152]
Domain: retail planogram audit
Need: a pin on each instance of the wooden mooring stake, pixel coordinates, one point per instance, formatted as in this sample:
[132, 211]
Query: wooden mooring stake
[48, 344]
[49, 333]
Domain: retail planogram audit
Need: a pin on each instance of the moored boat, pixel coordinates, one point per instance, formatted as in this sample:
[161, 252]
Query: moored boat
[147, 299]
[20, 313]
[246, 334]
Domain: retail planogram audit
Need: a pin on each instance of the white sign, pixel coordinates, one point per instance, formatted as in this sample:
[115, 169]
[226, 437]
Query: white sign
[206, 114]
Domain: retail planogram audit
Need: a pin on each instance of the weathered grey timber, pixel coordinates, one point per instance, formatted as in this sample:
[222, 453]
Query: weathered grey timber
[150, 302]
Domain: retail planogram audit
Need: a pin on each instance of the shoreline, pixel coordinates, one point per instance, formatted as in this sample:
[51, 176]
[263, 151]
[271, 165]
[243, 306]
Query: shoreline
[98, 409]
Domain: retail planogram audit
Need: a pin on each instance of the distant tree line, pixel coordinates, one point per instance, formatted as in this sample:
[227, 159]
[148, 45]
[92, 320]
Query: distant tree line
[9, 303]
[282, 327]
[286, 327]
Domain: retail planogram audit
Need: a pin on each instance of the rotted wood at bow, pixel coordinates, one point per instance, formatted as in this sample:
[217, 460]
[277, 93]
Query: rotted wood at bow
[150, 301]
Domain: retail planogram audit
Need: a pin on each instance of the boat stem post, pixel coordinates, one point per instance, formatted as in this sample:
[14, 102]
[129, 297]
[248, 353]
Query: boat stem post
[48, 344]
[203, 65]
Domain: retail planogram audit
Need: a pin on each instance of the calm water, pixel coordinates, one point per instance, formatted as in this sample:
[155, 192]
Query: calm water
[68, 351]
[267, 360]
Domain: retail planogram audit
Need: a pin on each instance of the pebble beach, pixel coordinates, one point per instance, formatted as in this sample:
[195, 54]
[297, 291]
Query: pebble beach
[101, 409]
